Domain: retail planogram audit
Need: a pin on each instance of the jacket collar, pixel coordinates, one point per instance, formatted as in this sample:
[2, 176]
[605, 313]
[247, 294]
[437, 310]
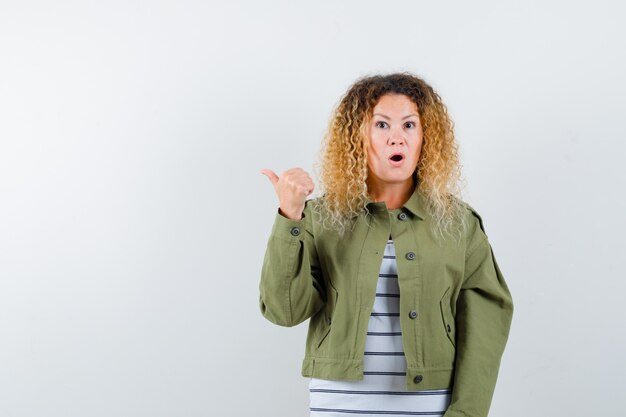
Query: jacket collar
[416, 204]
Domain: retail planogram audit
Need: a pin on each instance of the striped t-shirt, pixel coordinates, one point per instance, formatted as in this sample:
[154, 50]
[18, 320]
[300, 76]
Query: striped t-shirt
[382, 390]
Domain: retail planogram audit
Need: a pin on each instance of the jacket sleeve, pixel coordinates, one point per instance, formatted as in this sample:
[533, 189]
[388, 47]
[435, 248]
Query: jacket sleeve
[292, 287]
[484, 311]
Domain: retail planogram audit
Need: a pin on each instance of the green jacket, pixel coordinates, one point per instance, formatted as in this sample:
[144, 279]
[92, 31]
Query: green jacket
[455, 307]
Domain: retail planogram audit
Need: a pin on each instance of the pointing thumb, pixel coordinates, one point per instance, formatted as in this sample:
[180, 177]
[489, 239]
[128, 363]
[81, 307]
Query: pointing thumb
[271, 175]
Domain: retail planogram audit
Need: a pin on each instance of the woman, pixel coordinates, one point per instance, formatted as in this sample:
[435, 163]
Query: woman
[409, 311]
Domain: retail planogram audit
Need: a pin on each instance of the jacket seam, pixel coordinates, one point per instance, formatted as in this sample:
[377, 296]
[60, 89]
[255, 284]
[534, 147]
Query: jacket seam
[473, 249]
[292, 256]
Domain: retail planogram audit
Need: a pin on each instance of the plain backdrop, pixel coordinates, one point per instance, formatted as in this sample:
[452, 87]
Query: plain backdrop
[134, 218]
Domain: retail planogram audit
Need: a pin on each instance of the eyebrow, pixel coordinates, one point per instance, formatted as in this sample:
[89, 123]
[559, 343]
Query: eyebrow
[388, 118]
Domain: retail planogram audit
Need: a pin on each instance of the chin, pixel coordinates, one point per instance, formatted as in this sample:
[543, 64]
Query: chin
[398, 178]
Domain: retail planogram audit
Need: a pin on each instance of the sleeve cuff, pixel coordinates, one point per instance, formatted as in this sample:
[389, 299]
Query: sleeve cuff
[288, 228]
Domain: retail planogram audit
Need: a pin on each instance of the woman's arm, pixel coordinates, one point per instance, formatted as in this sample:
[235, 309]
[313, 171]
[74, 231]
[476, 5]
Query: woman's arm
[292, 287]
[484, 311]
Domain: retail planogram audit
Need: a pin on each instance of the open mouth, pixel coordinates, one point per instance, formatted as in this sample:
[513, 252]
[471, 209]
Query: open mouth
[397, 158]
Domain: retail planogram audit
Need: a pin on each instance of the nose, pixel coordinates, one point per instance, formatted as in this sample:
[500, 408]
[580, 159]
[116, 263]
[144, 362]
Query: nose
[396, 137]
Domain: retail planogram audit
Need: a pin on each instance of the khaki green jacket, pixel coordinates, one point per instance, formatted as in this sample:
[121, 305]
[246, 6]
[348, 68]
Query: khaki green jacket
[455, 307]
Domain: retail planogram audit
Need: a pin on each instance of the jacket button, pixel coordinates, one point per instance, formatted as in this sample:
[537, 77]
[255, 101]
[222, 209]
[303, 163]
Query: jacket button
[402, 216]
[418, 379]
[295, 231]
[449, 330]
[410, 256]
[413, 314]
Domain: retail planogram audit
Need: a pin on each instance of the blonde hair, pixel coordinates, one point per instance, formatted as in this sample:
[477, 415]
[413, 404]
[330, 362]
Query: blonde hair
[343, 155]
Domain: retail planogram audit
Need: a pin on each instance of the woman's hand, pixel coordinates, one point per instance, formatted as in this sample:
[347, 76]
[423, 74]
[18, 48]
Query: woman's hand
[292, 189]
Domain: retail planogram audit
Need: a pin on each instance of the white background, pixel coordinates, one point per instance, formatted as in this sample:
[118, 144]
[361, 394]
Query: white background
[134, 219]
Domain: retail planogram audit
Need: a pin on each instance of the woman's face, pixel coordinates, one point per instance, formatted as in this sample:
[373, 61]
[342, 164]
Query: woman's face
[394, 130]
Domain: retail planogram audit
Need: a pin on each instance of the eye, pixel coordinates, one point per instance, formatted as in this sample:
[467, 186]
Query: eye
[409, 124]
[378, 124]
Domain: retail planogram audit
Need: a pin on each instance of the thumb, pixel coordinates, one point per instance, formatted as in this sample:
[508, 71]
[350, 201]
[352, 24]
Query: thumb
[271, 175]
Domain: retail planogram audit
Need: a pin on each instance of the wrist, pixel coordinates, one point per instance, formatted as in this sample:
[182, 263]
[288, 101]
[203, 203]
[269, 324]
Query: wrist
[292, 215]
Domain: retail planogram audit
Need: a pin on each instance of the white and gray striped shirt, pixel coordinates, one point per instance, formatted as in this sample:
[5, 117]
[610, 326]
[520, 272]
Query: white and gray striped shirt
[382, 390]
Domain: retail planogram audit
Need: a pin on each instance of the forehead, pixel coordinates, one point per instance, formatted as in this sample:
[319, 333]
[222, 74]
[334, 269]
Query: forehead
[395, 102]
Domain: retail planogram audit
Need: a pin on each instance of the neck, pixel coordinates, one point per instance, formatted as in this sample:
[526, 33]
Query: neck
[394, 195]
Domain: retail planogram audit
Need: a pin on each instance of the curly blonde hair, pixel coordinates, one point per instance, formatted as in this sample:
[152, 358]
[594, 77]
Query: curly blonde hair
[343, 155]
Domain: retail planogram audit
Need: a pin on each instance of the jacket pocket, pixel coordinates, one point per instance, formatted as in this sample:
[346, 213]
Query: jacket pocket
[324, 333]
[447, 317]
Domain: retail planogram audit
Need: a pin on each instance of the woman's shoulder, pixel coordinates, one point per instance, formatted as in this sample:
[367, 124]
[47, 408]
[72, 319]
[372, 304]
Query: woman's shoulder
[312, 203]
[472, 218]
[476, 234]
[473, 213]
